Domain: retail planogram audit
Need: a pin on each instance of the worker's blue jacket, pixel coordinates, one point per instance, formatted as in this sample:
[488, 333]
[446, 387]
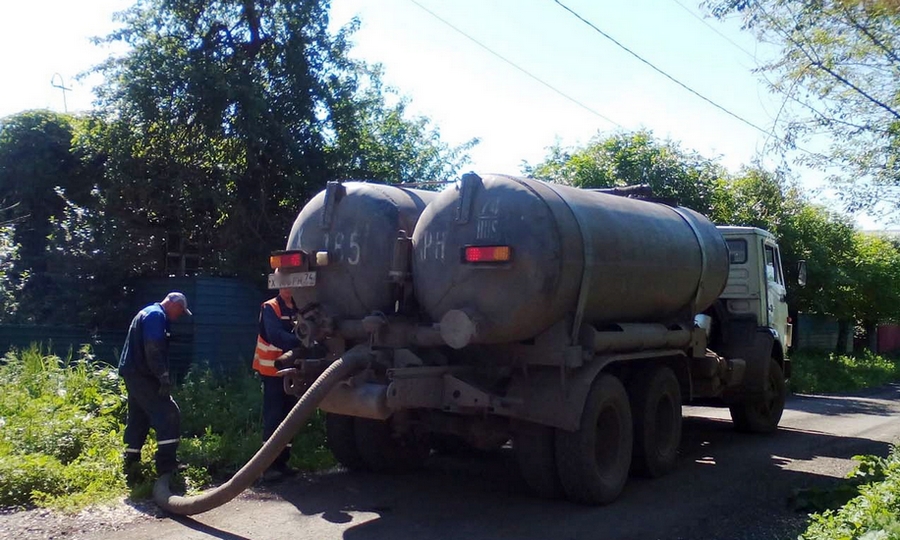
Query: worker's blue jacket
[146, 347]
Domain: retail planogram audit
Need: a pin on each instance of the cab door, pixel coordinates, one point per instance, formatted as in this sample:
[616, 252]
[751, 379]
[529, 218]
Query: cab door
[776, 294]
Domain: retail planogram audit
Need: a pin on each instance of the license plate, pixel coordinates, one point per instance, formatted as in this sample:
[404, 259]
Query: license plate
[288, 281]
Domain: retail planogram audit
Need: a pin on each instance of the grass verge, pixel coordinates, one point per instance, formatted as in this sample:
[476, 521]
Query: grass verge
[822, 372]
[874, 514]
[61, 423]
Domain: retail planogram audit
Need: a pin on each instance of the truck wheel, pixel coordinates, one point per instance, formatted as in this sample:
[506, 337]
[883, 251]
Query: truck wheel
[535, 451]
[340, 437]
[762, 414]
[593, 461]
[655, 397]
[382, 451]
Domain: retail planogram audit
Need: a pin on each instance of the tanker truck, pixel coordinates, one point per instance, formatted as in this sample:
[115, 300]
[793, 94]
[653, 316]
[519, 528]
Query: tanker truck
[573, 323]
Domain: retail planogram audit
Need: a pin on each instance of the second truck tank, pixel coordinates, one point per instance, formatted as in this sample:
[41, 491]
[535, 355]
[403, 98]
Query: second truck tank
[516, 255]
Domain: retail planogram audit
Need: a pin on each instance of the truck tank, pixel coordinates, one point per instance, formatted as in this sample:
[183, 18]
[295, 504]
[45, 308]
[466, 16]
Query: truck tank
[589, 256]
[357, 224]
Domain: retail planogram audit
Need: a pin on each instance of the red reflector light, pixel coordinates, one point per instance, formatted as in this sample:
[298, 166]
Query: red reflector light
[487, 254]
[286, 260]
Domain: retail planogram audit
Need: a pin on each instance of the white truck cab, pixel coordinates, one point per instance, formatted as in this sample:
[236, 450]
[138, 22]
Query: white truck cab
[756, 284]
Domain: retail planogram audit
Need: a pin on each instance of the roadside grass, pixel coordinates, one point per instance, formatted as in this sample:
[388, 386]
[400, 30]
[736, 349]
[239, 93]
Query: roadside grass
[874, 514]
[867, 505]
[823, 372]
[61, 423]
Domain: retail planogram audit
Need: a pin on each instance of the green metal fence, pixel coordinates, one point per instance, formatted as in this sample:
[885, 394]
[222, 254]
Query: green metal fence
[222, 332]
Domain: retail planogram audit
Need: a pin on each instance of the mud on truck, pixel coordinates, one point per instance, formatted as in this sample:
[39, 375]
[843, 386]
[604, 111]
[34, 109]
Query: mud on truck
[573, 323]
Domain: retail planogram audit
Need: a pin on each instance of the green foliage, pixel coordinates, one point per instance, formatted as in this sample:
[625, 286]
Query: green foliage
[636, 158]
[222, 424]
[818, 372]
[60, 422]
[873, 514]
[36, 167]
[225, 117]
[61, 427]
[837, 70]
[868, 469]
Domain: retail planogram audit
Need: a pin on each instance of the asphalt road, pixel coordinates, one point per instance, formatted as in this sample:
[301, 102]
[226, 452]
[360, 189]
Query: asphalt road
[727, 485]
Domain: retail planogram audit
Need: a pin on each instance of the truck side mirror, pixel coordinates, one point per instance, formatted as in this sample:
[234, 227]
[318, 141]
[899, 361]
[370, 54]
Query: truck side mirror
[801, 273]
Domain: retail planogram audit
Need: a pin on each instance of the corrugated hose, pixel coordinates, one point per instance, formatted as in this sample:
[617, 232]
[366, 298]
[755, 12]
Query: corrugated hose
[353, 360]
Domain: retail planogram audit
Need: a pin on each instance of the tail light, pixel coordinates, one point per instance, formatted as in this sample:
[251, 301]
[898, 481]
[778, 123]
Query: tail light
[287, 259]
[487, 254]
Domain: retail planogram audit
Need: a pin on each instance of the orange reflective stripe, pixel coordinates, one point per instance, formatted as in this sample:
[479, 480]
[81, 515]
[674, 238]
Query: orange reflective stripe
[265, 355]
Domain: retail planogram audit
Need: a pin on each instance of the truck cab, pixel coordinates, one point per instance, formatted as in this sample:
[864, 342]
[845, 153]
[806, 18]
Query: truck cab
[756, 285]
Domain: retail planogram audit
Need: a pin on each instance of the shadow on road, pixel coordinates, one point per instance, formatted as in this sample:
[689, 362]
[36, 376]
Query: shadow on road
[209, 530]
[873, 402]
[727, 485]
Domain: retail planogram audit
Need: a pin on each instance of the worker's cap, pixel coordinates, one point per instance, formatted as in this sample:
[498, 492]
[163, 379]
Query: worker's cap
[178, 298]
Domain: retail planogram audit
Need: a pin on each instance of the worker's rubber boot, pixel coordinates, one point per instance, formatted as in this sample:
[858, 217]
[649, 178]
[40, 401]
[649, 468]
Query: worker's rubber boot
[132, 468]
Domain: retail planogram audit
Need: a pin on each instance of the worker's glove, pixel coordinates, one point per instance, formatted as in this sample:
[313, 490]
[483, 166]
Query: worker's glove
[165, 384]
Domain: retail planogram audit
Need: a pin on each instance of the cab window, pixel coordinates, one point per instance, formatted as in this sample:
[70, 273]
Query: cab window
[773, 272]
[737, 250]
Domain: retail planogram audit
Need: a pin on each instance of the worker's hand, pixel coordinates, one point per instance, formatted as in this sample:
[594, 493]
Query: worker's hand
[165, 385]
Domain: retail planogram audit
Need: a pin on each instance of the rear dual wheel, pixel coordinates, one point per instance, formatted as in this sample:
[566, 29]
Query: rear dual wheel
[361, 444]
[534, 446]
[340, 437]
[384, 450]
[655, 397]
[593, 461]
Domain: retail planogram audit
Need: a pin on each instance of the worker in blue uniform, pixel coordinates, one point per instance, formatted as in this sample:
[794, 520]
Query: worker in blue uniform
[144, 365]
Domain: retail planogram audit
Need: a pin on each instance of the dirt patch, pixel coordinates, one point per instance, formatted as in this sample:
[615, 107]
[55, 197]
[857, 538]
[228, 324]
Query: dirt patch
[46, 524]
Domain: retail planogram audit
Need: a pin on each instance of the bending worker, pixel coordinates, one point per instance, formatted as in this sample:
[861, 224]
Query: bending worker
[144, 365]
[276, 336]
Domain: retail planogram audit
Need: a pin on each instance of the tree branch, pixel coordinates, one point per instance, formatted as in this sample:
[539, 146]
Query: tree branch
[891, 54]
[818, 63]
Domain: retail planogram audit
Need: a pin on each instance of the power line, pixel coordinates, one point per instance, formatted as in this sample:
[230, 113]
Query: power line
[661, 72]
[716, 30]
[523, 70]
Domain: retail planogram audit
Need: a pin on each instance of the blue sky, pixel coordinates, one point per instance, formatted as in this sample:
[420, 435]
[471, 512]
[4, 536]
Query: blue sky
[468, 91]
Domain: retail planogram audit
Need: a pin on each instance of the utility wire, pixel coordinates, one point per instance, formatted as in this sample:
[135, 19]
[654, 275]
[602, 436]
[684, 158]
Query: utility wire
[523, 70]
[716, 30]
[661, 72]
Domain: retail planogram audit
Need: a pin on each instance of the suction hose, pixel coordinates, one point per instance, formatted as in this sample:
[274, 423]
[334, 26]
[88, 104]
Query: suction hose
[353, 360]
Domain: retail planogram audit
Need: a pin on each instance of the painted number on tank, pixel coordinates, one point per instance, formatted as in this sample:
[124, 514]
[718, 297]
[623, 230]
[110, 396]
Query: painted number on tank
[434, 246]
[341, 248]
[487, 227]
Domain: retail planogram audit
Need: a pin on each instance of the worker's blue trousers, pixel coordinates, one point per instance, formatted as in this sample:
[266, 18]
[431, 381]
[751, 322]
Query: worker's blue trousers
[146, 409]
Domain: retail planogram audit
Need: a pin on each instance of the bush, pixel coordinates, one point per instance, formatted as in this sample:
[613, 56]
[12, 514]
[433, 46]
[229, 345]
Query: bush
[60, 429]
[828, 372]
[26, 478]
[222, 424]
[873, 515]
[61, 425]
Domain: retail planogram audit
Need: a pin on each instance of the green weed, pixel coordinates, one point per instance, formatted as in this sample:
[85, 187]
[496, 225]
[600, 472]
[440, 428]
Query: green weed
[829, 373]
[61, 425]
[872, 515]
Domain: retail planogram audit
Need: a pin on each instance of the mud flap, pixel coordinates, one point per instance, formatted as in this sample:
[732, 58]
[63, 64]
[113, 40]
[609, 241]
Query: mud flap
[755, 347]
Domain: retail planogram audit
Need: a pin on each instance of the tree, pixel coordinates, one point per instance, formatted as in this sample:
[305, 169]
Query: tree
[636, 158]
[36, 168]
[838, 71]
[876, 295]
[226, 116]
